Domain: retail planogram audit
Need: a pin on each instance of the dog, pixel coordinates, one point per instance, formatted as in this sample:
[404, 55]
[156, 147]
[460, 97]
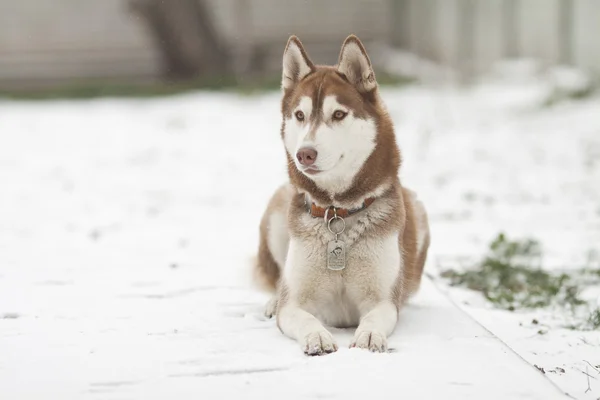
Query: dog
[343, 244]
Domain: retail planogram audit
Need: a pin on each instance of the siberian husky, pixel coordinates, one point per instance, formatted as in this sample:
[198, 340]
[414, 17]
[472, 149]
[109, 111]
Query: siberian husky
[343, 244]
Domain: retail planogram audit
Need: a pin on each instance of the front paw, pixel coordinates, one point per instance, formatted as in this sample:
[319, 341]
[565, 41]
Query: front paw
[271, 307]
[371, 340]
[318, 343]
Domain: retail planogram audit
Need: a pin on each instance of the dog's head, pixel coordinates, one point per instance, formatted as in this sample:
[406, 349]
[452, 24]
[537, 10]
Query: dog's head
[338, 137]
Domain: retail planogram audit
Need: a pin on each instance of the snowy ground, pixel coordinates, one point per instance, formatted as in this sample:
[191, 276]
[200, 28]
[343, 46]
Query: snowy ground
[126, 229]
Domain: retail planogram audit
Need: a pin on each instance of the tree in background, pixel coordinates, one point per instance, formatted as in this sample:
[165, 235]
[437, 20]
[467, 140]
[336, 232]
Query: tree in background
[186, 35]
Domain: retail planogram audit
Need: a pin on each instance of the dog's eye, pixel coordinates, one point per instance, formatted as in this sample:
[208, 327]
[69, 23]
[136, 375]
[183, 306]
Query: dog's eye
[299, 115]
[339, 115]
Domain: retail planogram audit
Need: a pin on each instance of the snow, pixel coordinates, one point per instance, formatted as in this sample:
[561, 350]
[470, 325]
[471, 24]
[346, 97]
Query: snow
[127, 228]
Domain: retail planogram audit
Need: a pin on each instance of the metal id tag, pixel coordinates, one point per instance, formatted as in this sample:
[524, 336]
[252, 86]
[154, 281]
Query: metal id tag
[336, 255]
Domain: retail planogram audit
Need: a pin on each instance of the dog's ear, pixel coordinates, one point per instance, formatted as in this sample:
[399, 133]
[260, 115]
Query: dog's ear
[296, 63]
[354, 63]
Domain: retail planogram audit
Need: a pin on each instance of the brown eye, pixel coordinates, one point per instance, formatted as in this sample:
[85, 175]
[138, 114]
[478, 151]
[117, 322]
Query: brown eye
[299, 115]
[339, 115]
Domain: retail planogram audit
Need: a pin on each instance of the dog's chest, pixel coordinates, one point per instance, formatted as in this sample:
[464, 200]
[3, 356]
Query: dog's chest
[337, 307]
[371, 267]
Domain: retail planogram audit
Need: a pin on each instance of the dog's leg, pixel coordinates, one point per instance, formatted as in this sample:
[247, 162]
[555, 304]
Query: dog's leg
[375, 326]
[271, 306]
[306, 329]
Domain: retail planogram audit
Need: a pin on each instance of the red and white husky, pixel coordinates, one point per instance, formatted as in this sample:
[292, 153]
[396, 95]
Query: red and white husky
[343, 244]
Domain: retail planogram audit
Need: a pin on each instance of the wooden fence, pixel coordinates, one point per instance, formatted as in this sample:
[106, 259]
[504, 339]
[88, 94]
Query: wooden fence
[45, 41]
[471, 35]
[49, 41]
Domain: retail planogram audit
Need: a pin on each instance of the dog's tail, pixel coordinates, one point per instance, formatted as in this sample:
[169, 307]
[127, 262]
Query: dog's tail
[422, 236]
[265, 271]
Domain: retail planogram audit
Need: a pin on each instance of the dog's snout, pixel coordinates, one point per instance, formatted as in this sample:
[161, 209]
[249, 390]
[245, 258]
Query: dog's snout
[306, 156]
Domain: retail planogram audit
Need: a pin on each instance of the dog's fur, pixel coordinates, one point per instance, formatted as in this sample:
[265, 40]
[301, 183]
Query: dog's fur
[386, 243]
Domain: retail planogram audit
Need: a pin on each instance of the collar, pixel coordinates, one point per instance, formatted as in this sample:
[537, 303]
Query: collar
[320, 212]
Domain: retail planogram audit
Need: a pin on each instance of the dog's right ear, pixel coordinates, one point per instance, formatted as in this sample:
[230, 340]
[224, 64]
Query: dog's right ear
[296, 64]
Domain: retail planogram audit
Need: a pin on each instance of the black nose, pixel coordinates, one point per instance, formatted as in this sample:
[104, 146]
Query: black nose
[306, 156]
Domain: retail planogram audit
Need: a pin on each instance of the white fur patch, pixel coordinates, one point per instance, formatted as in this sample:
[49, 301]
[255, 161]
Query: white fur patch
[382, 318]
[278, 238]
[306, 106]
[331, 105]
[338, 309]
[296, 258]
[295, 132]
[342, 147]
[390, 263]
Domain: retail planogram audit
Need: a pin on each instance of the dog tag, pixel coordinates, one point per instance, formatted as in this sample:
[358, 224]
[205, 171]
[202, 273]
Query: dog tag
[336, 255]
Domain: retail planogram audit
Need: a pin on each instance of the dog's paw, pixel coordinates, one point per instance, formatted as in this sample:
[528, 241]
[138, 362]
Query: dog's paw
[318, 343]
[271, 307]
[371, 340]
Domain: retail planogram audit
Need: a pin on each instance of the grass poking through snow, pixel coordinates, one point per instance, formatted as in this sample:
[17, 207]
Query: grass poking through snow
[510, 277]
[594, 319]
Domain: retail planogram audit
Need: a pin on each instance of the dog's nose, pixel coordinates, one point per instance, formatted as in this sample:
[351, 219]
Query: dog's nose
[306, 156]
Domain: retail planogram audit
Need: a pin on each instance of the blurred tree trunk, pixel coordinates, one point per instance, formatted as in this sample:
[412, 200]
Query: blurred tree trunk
[510, 20]
[186, 35]
[565, 34]
[400, 14]
[466, 12]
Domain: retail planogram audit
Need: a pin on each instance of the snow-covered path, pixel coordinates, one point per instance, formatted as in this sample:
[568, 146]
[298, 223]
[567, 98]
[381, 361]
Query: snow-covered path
[211, 342]
[127, 227]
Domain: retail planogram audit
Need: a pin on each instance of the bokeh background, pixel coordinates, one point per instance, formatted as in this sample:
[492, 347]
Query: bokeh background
[140, 143]
[88, 46]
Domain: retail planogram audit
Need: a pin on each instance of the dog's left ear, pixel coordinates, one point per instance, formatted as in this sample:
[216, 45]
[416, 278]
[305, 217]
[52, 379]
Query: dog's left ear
[354, 63]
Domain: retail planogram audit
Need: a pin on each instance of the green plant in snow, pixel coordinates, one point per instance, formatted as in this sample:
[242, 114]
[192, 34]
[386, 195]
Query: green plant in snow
[594, 319]
[510, 277]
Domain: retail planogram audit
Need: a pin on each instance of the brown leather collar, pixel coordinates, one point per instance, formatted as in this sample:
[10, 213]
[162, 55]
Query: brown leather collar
[320, 212]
